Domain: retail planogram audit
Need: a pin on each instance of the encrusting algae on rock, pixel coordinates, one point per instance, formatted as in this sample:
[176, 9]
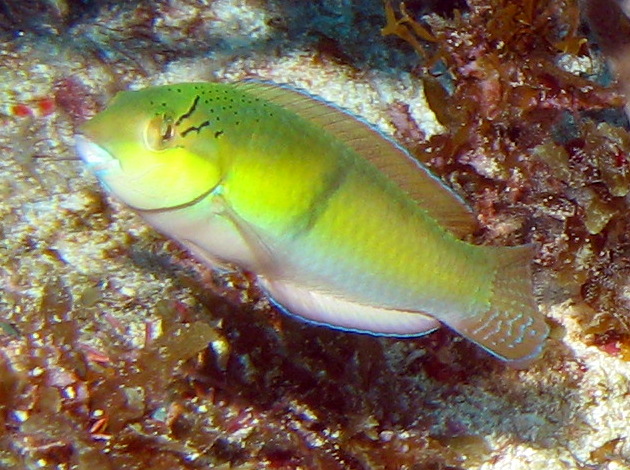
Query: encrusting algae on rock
[339, 224]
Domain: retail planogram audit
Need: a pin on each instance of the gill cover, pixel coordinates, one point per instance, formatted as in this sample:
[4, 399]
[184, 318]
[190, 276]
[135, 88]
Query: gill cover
[140, 155]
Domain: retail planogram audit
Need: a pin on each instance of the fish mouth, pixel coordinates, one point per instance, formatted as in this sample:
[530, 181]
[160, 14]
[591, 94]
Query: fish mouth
[94, 156]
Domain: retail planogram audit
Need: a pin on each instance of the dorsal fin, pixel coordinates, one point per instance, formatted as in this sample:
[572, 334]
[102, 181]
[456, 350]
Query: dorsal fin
[441, 203]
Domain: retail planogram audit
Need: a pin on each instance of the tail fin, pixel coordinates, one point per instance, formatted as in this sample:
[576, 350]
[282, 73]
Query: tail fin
[512, 328]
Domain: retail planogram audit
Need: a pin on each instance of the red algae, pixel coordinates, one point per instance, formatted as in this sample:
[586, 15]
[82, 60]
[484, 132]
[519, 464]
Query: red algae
[73, 97]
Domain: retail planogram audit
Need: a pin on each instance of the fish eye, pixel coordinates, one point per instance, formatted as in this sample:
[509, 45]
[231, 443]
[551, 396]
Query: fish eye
[160, 132]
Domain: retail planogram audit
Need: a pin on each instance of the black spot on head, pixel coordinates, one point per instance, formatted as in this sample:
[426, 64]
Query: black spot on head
[218, 134]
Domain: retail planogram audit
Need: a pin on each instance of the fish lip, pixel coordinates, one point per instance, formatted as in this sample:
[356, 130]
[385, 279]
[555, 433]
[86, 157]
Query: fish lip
[96, 158]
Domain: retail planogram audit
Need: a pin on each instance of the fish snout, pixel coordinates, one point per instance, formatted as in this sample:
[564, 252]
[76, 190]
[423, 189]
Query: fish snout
[97, 159]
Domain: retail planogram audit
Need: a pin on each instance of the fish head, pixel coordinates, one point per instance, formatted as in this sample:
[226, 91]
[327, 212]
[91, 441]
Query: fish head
[138, 153]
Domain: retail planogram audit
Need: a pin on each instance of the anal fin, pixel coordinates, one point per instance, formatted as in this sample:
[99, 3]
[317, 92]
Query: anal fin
[326, 309]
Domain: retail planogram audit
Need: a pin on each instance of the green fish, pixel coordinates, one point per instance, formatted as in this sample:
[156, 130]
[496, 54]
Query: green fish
[340, 224]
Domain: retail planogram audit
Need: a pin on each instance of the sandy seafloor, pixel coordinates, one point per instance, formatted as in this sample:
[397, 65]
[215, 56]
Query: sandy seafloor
[73, 256]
